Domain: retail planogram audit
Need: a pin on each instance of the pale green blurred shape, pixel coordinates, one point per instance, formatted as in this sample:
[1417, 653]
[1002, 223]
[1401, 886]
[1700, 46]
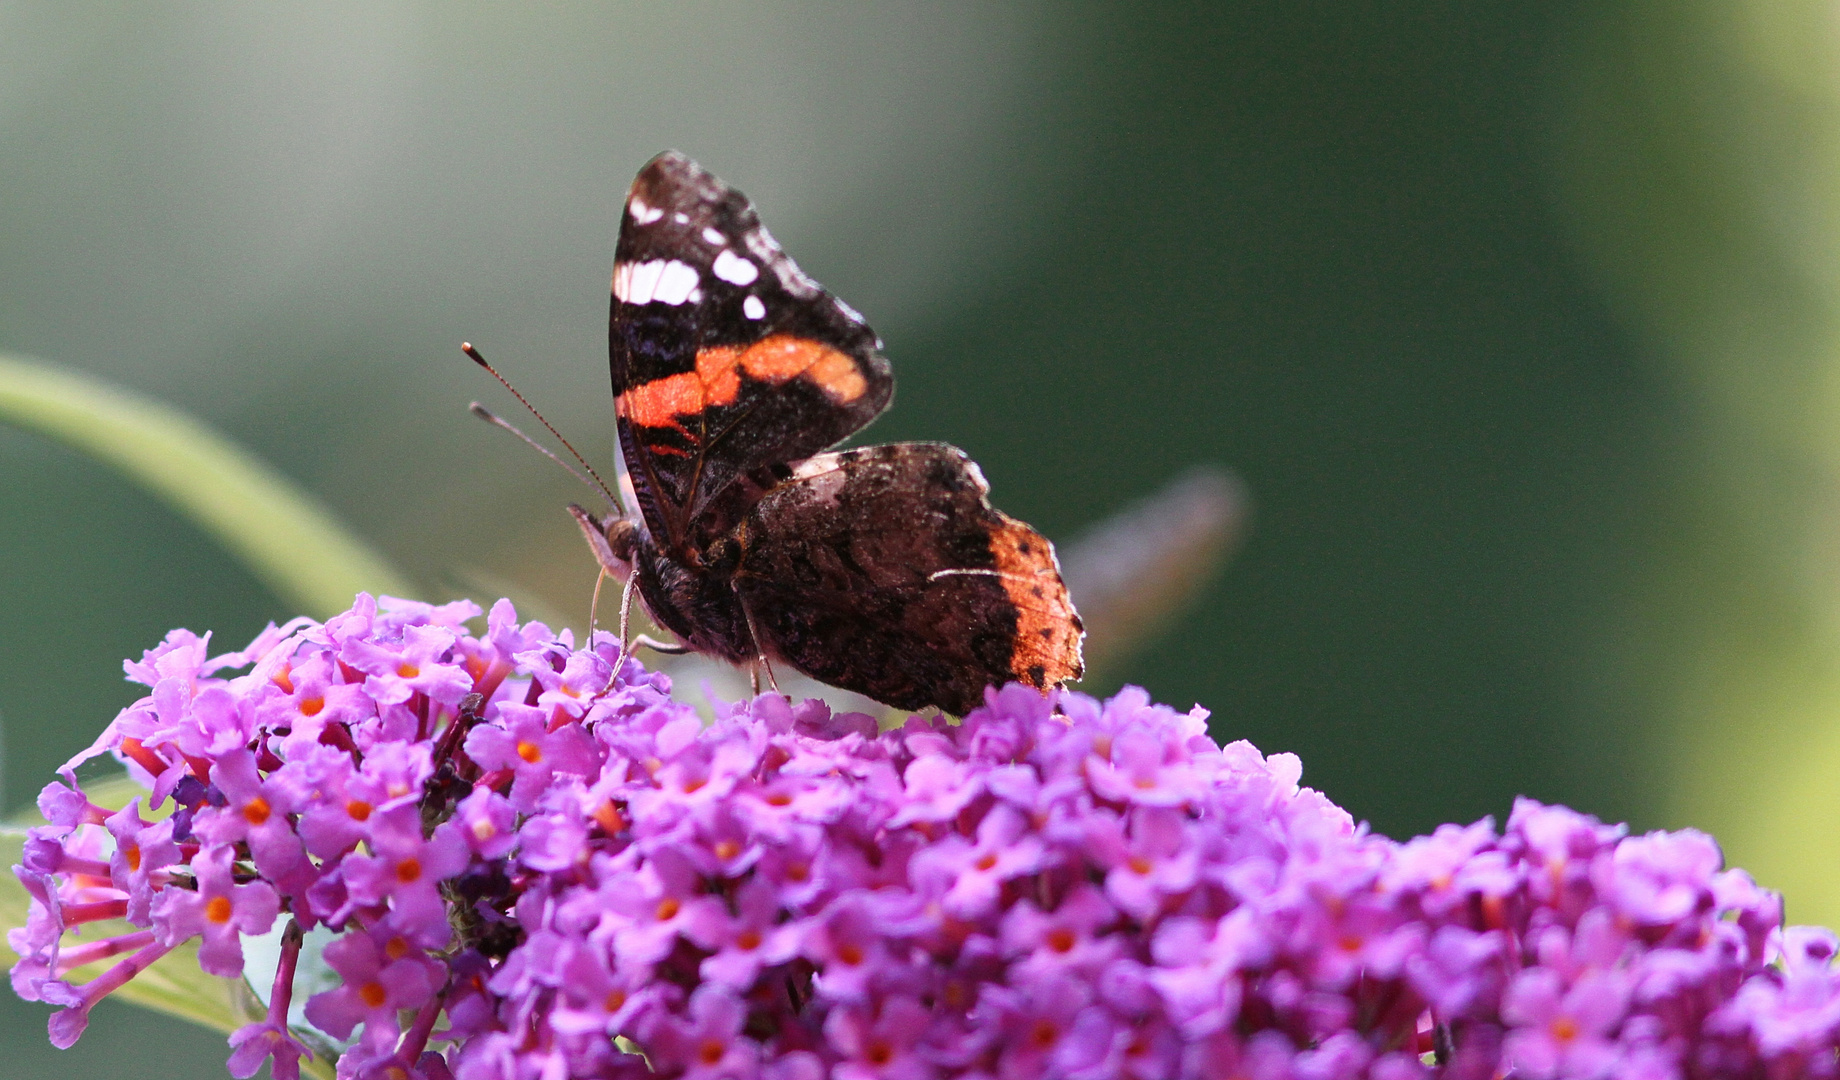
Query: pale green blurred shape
[282, 534]
[286, 538]
[1699, 161]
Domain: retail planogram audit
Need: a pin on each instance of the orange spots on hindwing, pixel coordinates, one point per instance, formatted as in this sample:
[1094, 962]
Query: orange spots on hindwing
[1048, 631]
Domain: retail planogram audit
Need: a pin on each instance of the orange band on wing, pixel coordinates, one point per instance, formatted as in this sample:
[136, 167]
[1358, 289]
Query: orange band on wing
[1047, 646]
[717, 378]
[782, 357]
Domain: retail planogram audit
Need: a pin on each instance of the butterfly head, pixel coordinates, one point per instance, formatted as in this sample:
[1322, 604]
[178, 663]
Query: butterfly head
[613, 538]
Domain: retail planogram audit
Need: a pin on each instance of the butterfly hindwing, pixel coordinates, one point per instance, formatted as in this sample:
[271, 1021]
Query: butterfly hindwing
[885, 570]
[725, 357]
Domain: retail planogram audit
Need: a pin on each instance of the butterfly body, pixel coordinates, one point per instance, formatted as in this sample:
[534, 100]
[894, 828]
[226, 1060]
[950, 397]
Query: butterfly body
[883, 569]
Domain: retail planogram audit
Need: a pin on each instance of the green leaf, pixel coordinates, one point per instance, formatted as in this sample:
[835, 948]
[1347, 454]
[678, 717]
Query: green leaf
[281, 533]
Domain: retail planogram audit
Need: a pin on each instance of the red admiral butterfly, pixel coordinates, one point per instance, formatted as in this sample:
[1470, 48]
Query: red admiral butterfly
[882, 570]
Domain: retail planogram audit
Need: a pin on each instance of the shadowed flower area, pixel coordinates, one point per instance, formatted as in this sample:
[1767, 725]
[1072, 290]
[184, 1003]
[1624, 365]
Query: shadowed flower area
[530, 860]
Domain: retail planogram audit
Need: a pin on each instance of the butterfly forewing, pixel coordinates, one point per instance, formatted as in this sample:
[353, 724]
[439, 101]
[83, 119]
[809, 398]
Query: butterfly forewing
[725, 357]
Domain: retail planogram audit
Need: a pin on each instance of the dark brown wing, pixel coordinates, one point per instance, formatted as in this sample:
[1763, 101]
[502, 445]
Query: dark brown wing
[885, 571]
[725, 357]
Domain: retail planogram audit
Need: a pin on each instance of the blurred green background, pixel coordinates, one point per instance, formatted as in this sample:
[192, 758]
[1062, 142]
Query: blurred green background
[1519, 321]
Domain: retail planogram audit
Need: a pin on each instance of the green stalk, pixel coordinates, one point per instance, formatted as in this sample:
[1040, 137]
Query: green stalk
[283, 535]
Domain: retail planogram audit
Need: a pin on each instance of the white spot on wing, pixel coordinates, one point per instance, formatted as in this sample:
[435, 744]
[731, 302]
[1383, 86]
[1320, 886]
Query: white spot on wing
[666, 282]
[733, 268]
[753, 308]
[675, 283]
[821, 478]
[681, 218]
[849, 312]
[815, 466]
[641, 213]
[643, 281]
[711, 236]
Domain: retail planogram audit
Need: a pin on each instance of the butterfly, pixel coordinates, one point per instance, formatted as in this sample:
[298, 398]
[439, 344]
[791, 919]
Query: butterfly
[881, 569]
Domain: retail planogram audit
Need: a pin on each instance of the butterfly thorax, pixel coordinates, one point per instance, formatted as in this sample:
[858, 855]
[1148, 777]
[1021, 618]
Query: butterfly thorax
[695, 598]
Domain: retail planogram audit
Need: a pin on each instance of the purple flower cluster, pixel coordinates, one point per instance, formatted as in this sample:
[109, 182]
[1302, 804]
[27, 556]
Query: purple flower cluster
[537, 864]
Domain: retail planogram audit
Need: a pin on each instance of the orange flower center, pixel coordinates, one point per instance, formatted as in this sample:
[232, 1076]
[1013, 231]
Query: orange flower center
[608, 817]
[409, 870]
[372, 994]
[529, 751]
[255, 811]
[217, 909]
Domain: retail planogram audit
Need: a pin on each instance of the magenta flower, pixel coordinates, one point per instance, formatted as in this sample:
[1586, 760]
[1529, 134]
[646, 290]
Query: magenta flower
[1564, 1032]
[406, 873]
[218, 910]
[381, 978]
[971, 872]
[880, 1045]
[535, 863]
[143, 851]
[530, 751]
[255, 814]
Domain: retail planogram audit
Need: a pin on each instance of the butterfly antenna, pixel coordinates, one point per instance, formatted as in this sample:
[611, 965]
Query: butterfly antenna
[498, 421]
[483, 413]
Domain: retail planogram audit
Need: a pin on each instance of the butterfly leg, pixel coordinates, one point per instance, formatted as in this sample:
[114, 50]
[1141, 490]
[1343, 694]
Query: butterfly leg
[665, 648]
[594, 605]
[626, 596]
[759, 651]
